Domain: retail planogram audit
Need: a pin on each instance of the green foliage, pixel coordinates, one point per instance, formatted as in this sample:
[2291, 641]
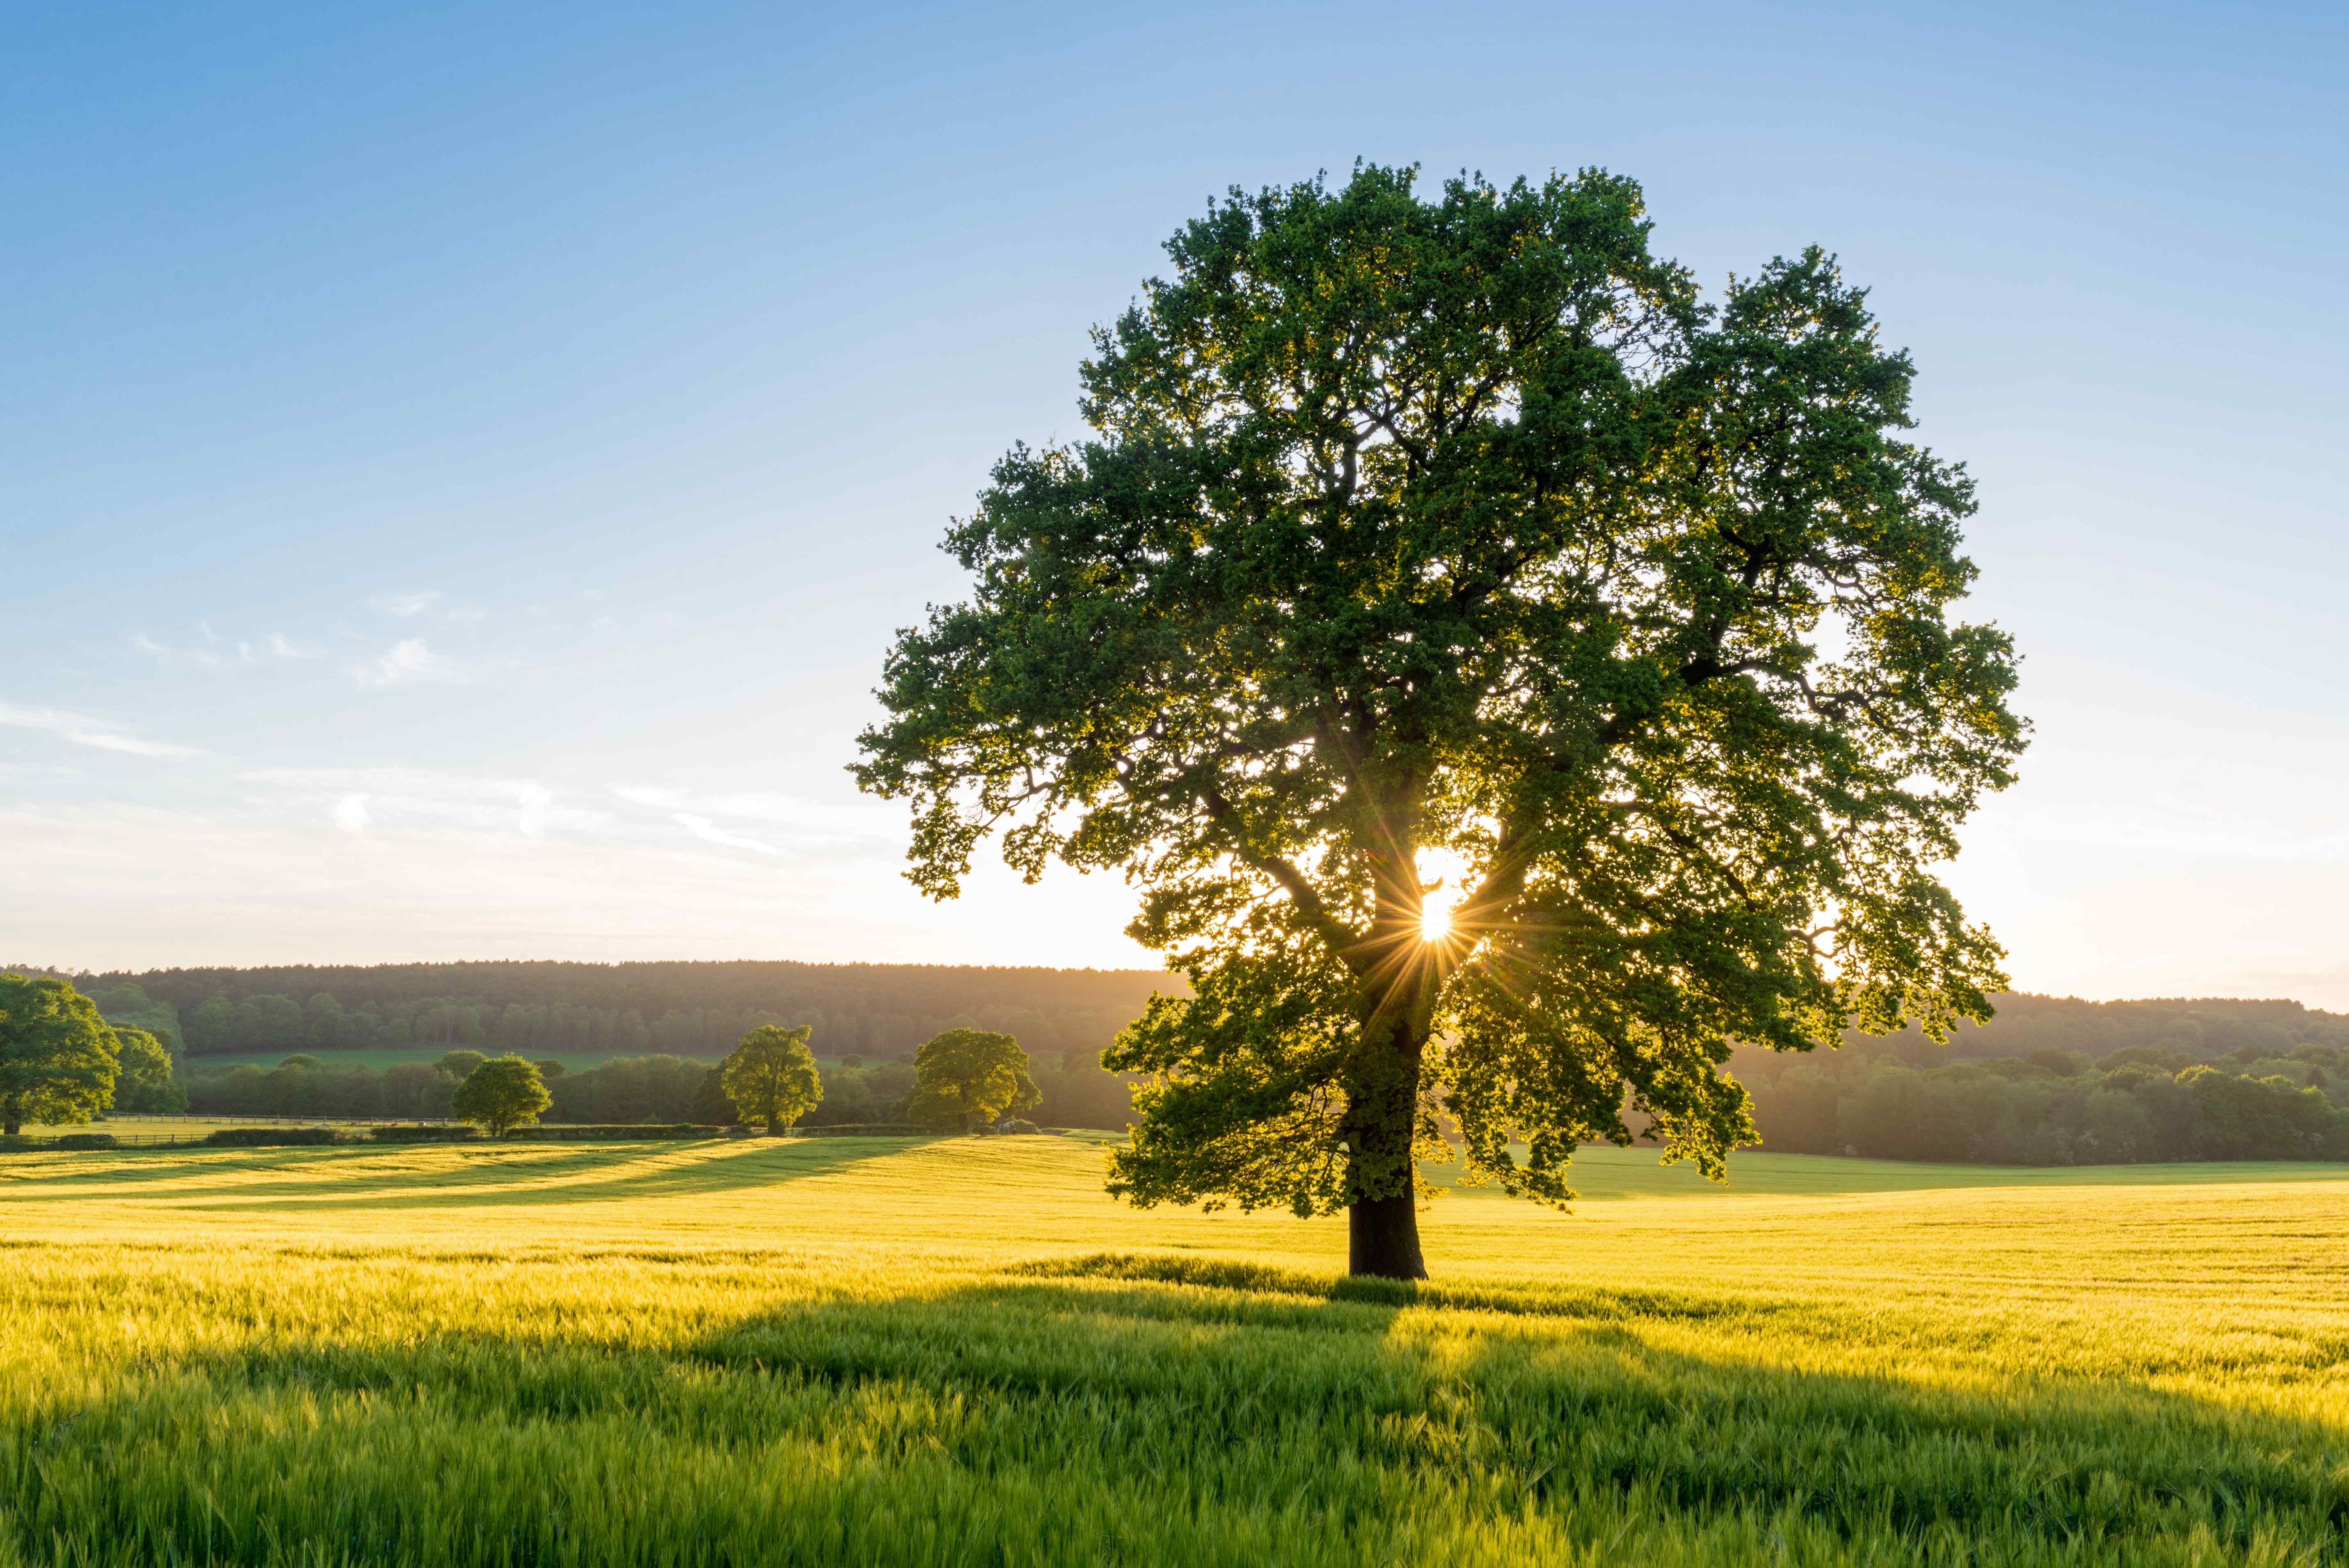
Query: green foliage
[2051, 1109]
[601, 1010]
[772, 1075]
[460, 1065]
[631, 1088]
[710, 1108]
[2178, 1030]
[131, 1005]
[1457, 541]
[849, 1095]
[143, 1083]
[627, 1130]
[967, 1077]
[500, 1095]
[56, 1055]
[274, 1137]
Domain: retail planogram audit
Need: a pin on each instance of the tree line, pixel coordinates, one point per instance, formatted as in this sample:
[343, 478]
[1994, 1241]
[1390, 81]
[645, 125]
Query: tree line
[2284, 1094]
[2202, 1029]
[963, 1080]
[2140, 1104]
[680, 1009]
[625, 1089]
[880, 1011]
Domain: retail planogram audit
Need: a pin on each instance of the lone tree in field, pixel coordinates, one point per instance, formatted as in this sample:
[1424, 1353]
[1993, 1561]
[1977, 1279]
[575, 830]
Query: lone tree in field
[1509, 678]
[56, 1055]
[770, 1076]
[965, 1079]
[501, 1094]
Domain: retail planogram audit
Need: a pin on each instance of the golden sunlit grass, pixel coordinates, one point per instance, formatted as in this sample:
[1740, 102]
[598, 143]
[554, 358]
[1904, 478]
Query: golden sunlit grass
[958, 1351]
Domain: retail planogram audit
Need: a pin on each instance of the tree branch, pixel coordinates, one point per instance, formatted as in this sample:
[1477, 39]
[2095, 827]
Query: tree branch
[1301, 893]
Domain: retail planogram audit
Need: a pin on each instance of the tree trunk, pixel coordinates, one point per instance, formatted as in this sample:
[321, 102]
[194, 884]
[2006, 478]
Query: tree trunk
[1382, 1238]
[1382, 1223]
[12, 1128]
[1397, 970]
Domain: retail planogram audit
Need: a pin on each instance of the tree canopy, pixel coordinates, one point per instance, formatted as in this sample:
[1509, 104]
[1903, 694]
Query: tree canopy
[56, 1056]
[1458, 547]
[500, 1095]
[967, 1077]
[143, 1067]
[772, 1077]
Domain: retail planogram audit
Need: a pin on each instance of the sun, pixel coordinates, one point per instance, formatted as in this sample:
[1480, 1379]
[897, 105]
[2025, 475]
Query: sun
[1435, 923]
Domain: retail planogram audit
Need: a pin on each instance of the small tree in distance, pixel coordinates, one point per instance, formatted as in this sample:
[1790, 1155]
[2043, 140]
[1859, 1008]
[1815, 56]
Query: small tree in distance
[772, 1075]
[967, 1077]
[501, 1094]
[460, 1065]
[56, 1055]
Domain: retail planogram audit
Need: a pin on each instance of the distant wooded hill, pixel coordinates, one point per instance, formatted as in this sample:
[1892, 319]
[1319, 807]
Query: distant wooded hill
[879, 1010]
[874, 1010]
[2201, 1028]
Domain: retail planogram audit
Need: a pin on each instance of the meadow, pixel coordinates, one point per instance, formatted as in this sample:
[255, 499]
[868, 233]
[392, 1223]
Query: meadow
[383, 1058]
[957, 1351]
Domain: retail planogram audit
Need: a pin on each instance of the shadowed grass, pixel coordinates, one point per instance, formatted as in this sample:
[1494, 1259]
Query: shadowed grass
[388, 1177]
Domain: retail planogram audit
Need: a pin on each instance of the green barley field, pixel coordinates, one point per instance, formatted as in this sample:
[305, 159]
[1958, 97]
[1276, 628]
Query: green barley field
[958, 1352]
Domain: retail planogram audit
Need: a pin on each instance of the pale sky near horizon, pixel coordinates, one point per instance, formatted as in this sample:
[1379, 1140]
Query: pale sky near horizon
[460, 467]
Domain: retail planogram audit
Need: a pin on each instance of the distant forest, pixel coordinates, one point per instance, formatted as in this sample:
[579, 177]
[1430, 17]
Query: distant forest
[876, 1011]
[879, 1011]
[2201, 1029]
[2049, 1081]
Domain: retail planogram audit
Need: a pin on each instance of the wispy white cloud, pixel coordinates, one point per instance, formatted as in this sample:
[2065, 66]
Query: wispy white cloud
[538, 810]
[103, 734]
[216, 652]
[405, 661]
[356, 799]
[406, 604]
[703, 828]
[97, 884]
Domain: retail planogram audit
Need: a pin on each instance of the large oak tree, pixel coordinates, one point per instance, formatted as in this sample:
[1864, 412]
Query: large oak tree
[1461, 540]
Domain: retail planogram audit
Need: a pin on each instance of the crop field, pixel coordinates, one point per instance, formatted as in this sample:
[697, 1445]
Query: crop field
[132, 1126]
[958, 1352]
[381, 1057]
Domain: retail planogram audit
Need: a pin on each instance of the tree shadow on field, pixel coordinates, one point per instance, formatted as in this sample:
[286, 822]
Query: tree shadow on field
[482, 1174]
[1165, 1395]
[1530, 1395]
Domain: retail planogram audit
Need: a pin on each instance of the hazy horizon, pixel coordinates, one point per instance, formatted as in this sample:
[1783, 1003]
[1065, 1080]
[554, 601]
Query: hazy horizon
[465, 469]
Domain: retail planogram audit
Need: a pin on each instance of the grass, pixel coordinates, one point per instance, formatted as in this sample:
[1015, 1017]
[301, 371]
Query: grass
[957, 1351]
[380, 1057]
[129, 1124]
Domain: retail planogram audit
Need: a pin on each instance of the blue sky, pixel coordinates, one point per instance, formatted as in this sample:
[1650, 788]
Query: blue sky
[459, 467]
